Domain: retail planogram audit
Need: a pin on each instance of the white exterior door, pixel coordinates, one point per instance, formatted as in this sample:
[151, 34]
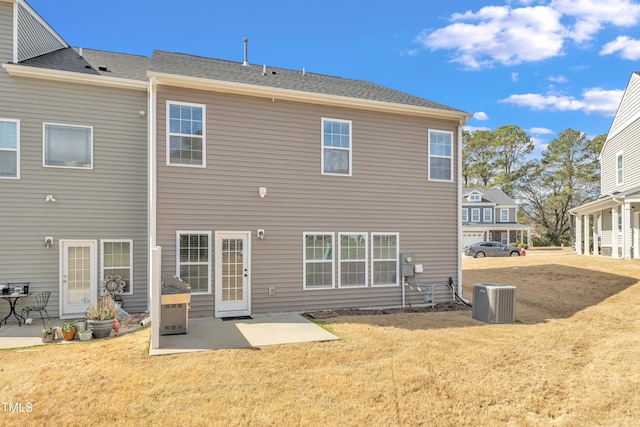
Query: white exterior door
[78, 276]
[233, 275]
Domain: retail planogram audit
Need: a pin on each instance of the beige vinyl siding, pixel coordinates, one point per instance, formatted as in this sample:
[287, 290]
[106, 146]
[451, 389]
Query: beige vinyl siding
[108, 202]
[6, 32]
[254, 143]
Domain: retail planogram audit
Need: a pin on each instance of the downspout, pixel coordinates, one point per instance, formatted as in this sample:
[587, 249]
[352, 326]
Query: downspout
[459, 206]
[153, 255]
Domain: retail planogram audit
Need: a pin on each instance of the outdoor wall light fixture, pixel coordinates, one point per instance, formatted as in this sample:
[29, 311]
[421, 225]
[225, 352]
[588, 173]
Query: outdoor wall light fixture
[50, 198]
[48, 242]
[260, 233]
[262, 191]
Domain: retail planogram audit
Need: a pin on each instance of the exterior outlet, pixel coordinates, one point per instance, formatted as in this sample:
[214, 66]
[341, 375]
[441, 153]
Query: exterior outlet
[272, 291]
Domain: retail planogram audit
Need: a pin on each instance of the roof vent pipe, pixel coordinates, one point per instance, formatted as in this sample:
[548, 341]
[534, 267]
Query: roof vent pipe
[246, 52]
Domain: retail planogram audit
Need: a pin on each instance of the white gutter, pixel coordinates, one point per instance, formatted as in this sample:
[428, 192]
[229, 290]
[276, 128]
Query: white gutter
[73, 77]
[278, 94]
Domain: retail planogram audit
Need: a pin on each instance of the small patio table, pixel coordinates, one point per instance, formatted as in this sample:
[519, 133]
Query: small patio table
[13, 299]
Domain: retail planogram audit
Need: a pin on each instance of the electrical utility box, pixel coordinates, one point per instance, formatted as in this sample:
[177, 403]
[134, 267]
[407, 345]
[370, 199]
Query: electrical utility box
[493, 303]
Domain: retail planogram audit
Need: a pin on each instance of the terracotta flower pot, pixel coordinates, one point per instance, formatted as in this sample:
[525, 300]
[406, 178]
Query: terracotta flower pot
[68, 335]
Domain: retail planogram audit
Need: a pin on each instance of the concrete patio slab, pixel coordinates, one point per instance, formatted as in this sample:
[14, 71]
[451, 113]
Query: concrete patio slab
[261, 330]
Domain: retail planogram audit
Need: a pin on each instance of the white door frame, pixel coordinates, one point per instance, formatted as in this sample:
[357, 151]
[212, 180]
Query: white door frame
[243, 307]
[76, 310]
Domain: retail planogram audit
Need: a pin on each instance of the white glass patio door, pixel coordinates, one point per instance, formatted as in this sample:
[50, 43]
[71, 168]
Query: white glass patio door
[78, 276]
[233, 278]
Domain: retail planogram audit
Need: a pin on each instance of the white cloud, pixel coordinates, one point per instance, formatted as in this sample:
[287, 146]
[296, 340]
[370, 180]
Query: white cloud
[472, 129]
[514, 77]
[540, 131]
[499, 34]
[558, 79]
[593, 101]
[629, 48]
[539, 143]
[480, 115]
[511, 35]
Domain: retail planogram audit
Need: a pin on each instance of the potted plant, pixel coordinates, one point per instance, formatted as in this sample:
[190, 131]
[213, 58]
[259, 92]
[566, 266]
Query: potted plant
[85, 334]
[100, 316]
[68, 330]
[48, 334]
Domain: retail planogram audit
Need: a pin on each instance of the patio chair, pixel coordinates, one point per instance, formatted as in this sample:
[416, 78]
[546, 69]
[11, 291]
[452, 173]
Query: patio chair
[42, 299]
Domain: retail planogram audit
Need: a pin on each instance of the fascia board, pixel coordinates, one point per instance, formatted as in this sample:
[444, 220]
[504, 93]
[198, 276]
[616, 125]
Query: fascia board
[301, 96]
[597, 205]
[71, 77]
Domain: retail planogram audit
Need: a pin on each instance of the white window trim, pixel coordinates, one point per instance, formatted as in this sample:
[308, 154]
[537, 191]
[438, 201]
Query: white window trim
[322, 147]
[304, 259]
[440, 157]
[178, 263]
[168, 134]
[397, 256]
[130, 241]
[17, 149]
[485, 217]
[365, 260]
[502, 215]
[465, 215]
[475, 211]
[44, 146]
[619, 171]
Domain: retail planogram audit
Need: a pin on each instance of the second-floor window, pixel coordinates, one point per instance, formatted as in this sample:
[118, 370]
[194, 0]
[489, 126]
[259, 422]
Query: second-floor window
[619, 169]
[9, 148]
[474, 197]
[486, 215]
[336, 147]
[475, 215]
[440, 155]
[504, 215]
[186, 139]
[68, 146]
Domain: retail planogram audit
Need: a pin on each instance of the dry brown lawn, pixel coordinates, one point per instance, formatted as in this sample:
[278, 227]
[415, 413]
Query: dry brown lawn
[570, 360]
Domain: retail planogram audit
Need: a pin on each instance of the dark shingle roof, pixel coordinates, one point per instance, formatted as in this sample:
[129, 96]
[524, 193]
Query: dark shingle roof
[95, 62]
[494, 195]
[135, 67]
[228, 71]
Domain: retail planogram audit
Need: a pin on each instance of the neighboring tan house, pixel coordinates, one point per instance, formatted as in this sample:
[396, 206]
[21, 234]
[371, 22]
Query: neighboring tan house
[266, 189]
[73, 166]
[613, 220]
[491, 215]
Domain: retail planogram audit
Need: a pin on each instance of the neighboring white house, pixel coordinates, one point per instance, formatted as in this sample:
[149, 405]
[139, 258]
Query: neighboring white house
[612, 221]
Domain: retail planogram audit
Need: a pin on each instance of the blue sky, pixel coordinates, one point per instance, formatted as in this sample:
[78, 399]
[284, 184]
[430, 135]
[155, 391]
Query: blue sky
[542, 65]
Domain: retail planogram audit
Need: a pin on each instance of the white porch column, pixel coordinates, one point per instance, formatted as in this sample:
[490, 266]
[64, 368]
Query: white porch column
[529, 242]
[600, 228]
[594, 234]
[626, 231]
[579, 234]
[586, 234]
[636, 231]
[614, 233]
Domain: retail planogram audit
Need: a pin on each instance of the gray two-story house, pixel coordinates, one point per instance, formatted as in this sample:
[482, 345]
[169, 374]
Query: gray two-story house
[610, 225]
[491, 215]
[265, 189]
[73, 166]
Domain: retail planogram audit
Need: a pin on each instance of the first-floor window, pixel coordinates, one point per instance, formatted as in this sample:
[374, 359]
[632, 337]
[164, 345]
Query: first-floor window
[352, 267]
[384, 259]
[117, 260]
[318, 261]
[9, 148]
[194, 259]
[465, 215]
[68, 146]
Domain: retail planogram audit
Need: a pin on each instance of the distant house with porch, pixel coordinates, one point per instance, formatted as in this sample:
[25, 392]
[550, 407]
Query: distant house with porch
[491, 215]
[610, 225]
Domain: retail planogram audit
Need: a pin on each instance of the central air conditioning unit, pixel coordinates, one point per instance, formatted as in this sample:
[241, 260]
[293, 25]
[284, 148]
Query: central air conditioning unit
[494, 303]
